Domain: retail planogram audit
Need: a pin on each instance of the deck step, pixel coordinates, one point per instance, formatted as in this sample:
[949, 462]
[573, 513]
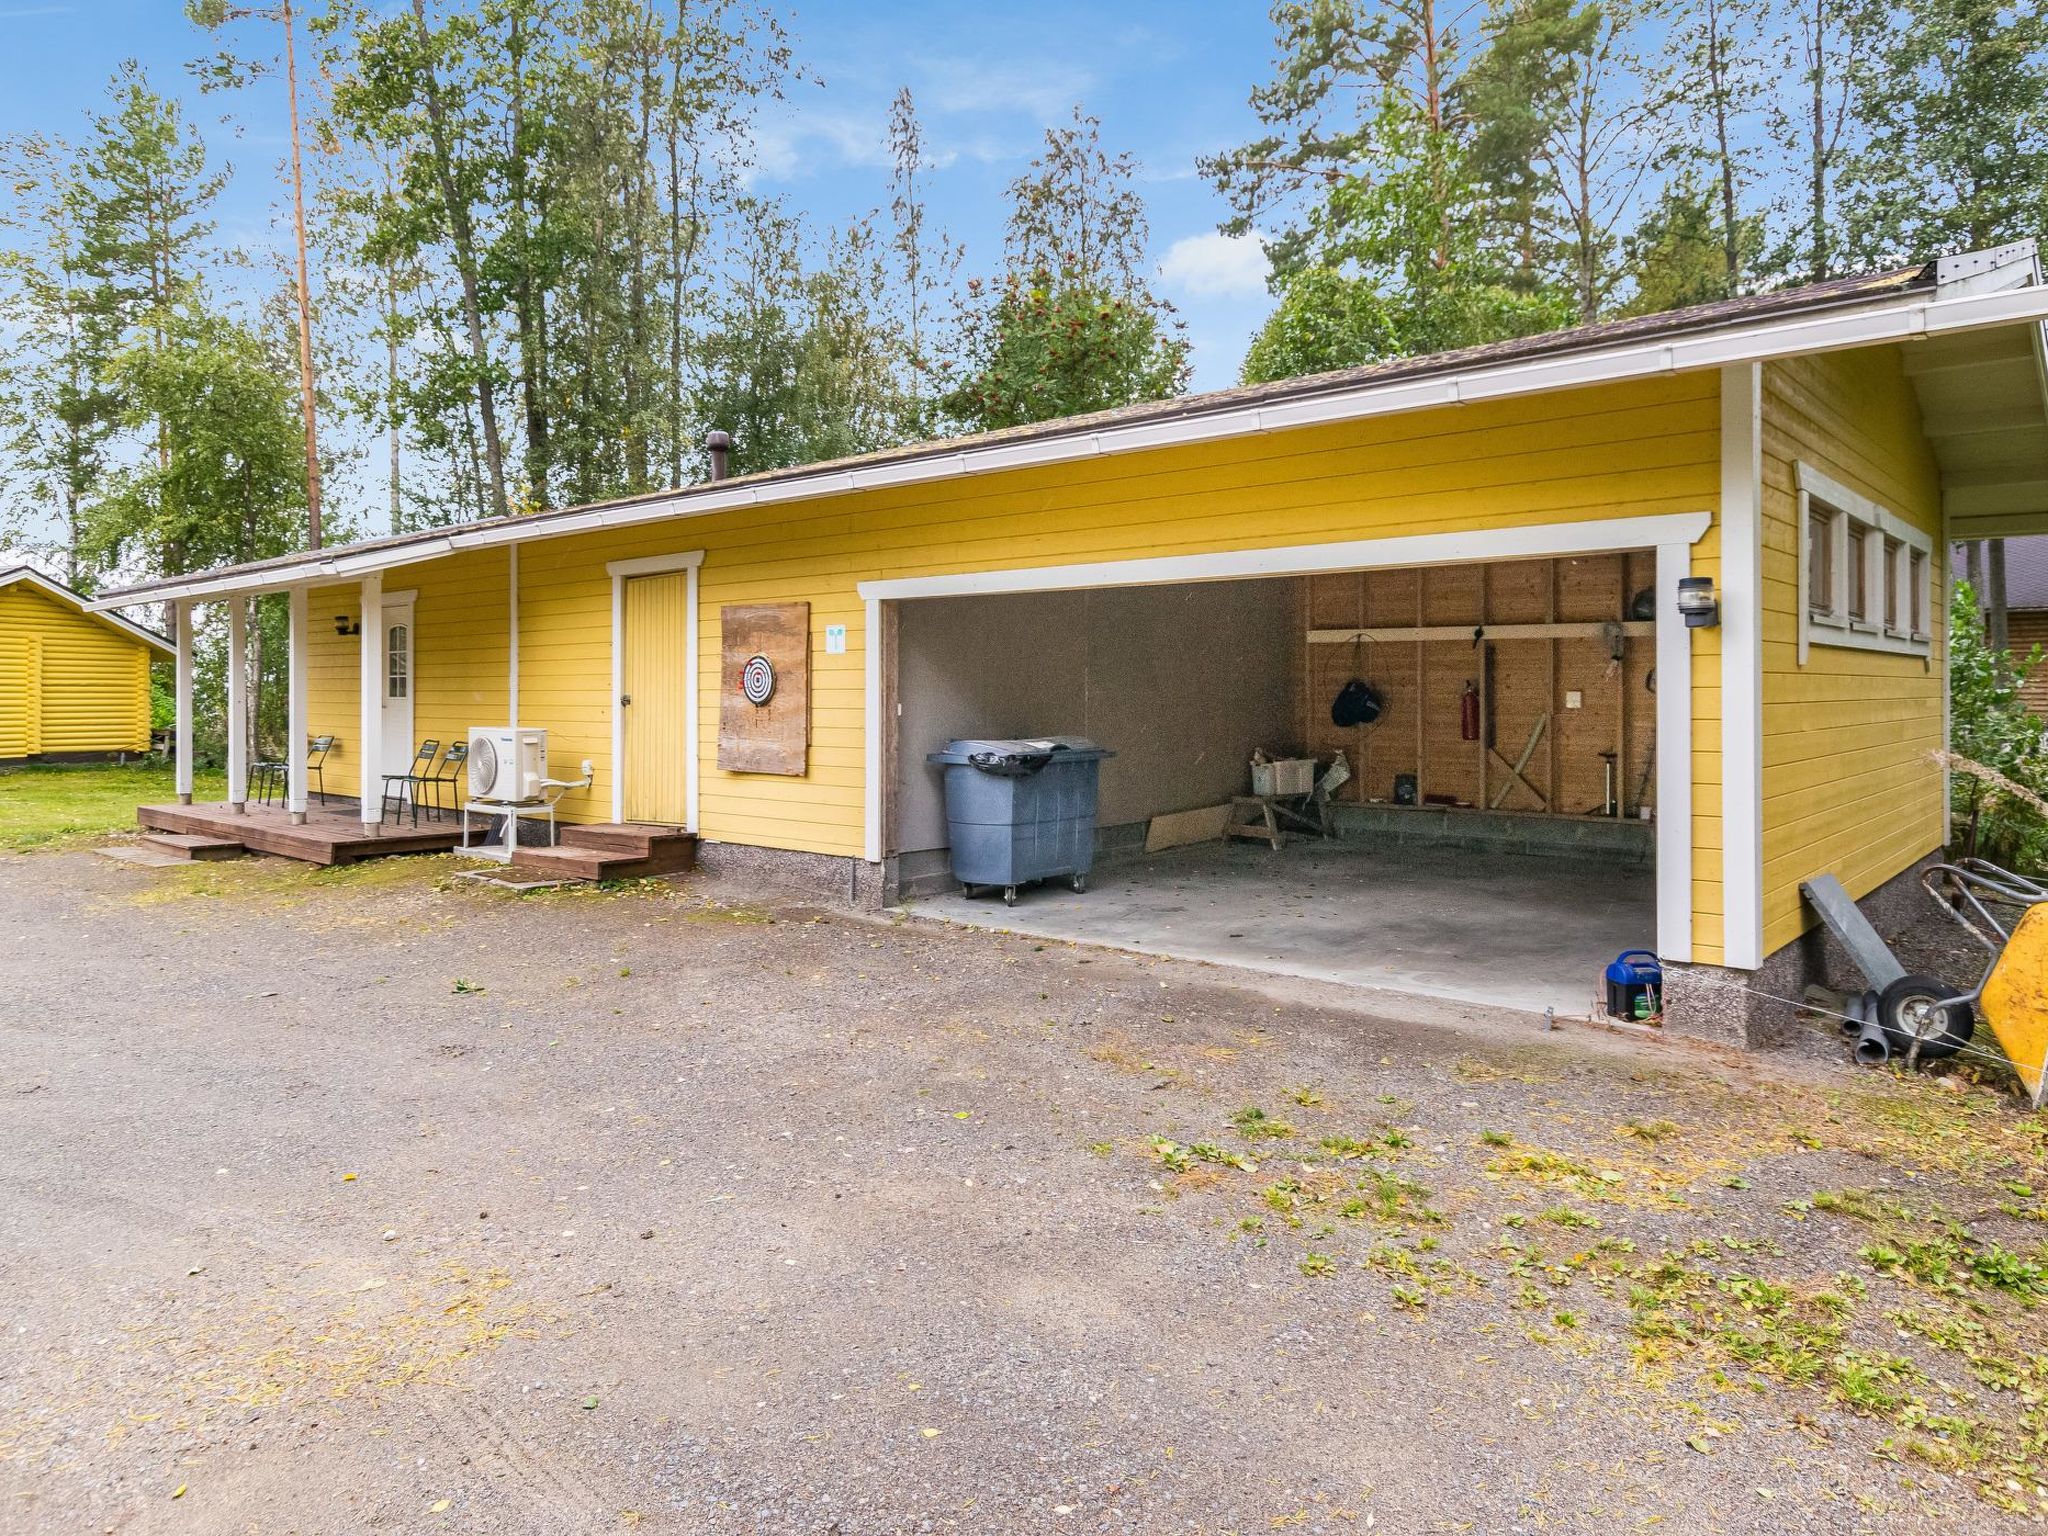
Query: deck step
[669, 855]
[188, 845]
[635, 839]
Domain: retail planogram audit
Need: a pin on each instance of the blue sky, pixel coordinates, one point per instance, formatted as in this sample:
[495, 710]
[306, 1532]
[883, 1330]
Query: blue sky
[1169, 82]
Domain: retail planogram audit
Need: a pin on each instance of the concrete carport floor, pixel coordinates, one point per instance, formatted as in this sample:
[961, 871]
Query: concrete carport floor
[1503, 930]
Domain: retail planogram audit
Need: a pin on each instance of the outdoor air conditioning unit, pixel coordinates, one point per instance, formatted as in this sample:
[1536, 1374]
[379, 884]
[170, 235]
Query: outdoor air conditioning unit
[506, 762]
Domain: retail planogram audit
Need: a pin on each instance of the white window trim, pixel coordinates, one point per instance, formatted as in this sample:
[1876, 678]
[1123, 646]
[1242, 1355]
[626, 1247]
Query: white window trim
[656, 565]
[1836, 628]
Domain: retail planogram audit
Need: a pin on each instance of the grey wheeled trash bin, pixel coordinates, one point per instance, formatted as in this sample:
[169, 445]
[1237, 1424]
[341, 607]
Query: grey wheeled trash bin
[1018, 811]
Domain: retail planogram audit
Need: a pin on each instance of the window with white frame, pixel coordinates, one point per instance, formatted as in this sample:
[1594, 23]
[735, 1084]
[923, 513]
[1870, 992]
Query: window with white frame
[1863, 570]
[398, 663]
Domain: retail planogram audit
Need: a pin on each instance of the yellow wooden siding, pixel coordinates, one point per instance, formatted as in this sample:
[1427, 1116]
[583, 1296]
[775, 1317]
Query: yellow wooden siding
[20, 659]
[1630, 450]
[461, 665]
[1848, 784]
[68, 682]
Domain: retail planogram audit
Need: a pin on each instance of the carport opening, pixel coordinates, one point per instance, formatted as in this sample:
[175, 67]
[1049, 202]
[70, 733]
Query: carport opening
[1495, 842]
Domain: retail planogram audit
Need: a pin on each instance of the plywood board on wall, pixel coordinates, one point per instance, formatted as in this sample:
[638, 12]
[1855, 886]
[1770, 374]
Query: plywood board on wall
[773, 737]
[1521, 672]
[1589, 705]
[1518, 592]
[1392, 597]
[1179, 828]
[1450, 762]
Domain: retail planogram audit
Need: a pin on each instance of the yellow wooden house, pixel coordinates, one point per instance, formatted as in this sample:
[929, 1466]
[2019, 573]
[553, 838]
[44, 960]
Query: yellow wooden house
[74, 683]
[1654, 599]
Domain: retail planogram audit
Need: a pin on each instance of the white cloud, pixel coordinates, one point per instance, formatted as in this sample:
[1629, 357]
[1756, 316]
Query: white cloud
[1046, 90]
[1216, 265]
[804, 140]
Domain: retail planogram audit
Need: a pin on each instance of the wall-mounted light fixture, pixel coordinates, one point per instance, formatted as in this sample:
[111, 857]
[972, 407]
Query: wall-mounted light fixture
[344, 626]
[1697, 603]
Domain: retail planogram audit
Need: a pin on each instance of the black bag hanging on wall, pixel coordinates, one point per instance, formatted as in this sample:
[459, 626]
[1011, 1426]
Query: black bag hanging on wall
[1357, 703]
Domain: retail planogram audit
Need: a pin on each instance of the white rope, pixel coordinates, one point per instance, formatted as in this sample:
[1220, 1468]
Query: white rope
[1996, 1057]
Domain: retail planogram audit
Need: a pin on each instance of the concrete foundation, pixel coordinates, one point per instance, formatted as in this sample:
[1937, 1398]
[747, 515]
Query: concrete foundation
[821, 877]
[1501, 930]
[1755, 1009]
[1607, 840]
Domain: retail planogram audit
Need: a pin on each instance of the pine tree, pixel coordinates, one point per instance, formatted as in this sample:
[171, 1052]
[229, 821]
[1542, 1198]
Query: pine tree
[1678, 254]
[1409, 192]
[1517, 96]
[147, 189]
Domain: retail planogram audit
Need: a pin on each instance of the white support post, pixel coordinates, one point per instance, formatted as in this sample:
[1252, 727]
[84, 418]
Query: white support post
[295, 730]
[238, 704]
[872, 727]
[370, 721]
[1742, 632]
[692, 748]
[618, 694]
[1674, 759]
[183, 745]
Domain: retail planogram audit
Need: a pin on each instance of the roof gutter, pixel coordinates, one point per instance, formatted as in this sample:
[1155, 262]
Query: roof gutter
[1826, 331]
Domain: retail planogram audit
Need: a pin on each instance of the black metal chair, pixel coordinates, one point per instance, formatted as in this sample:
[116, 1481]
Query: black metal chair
[403, 789]
[272, 778]
[454, 769]
[316, 763]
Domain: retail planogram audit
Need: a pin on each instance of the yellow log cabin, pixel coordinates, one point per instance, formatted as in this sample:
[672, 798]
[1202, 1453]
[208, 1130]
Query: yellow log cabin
[1660, 599]
[74, 685]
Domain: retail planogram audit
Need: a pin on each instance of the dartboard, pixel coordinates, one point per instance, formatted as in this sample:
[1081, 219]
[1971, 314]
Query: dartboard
[757, 680]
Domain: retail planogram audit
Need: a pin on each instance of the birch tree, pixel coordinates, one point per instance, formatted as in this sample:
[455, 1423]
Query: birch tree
[1954, 118]
[57, 412]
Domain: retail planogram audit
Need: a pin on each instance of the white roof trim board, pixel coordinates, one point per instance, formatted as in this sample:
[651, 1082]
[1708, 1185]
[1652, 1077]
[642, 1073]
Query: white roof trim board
[27, 576]
[1988, 291]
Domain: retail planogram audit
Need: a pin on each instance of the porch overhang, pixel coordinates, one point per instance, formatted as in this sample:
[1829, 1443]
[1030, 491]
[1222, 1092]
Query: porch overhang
[1984, 403]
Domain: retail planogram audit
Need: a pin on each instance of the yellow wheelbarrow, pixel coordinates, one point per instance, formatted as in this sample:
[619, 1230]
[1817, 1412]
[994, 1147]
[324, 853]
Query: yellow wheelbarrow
[2008, 915]
[1923, 1018]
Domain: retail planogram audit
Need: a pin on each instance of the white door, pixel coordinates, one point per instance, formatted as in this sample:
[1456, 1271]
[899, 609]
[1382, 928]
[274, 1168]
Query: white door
[400, 662]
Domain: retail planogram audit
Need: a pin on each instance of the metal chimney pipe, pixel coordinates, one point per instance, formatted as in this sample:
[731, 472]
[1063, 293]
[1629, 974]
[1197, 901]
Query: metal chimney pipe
[719, 446]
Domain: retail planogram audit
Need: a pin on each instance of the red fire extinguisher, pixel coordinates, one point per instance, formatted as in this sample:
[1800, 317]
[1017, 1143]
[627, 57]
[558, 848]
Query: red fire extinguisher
[1468, 713]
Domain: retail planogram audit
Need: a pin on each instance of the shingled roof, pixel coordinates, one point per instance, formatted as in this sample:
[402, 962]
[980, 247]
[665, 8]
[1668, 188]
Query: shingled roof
[1735, 316]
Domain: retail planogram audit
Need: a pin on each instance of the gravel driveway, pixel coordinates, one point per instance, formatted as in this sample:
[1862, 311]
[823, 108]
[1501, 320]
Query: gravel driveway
[352, 1200]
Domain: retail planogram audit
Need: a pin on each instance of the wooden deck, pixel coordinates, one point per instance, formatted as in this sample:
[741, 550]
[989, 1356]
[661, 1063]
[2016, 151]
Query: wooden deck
[332, 833]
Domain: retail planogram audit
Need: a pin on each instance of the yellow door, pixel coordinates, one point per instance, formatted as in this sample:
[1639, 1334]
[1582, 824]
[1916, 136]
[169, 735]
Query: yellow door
[655, 679]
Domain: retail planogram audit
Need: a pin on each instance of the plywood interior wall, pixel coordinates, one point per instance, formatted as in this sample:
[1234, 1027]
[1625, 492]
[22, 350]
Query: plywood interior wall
[1423, 682]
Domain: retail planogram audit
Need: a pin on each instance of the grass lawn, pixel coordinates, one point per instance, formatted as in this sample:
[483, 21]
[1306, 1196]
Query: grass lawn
[61, 805]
